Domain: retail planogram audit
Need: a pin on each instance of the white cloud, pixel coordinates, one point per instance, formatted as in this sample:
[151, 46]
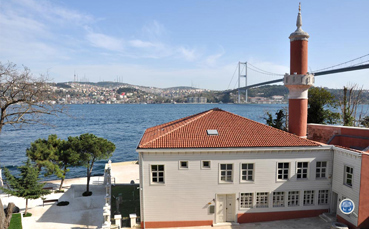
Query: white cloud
[188, 54]
[212, 60]
[100, 40]
[55, 12]
[141, 44]
[154, 30]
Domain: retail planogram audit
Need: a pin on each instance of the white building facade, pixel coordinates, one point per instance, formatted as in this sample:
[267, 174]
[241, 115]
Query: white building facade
[275, 176]
[214, 186]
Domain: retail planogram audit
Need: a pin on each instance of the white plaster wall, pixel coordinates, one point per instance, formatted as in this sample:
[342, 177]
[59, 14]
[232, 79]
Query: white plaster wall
[187, 192]
[344, 157]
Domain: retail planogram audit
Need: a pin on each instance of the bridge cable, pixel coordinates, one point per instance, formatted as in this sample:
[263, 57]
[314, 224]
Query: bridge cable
[341, 63]
[271, 73]
[232, 76]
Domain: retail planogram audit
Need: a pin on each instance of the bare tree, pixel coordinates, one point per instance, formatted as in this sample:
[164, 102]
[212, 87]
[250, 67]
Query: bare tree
[349, 104]
[23, 98]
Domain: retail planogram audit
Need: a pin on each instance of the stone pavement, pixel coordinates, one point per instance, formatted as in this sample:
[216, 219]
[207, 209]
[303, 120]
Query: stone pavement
[82, 212]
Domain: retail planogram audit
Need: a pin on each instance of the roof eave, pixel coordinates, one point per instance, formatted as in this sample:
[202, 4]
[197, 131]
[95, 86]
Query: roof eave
[236, 149]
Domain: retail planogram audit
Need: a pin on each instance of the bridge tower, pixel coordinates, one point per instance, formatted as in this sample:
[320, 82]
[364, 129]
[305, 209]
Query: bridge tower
[242, 73]
[299, 80]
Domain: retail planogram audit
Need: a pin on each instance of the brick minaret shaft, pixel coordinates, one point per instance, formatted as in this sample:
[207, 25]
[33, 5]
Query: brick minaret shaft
[298, 81]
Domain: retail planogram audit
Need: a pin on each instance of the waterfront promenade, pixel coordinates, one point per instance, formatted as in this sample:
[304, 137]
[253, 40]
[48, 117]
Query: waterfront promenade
[82, 212]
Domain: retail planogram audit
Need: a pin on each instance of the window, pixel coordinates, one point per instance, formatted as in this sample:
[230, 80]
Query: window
[262, 199]
[321, 169]
[247, 172]
[226, 171]
[157, 174]
[246, 200]
[283, 169]
[309, 197]
[293, 198]
[183, 164]
[349, 171]
[302, 170]
[205, 164]
[278, 199]
[323, 197]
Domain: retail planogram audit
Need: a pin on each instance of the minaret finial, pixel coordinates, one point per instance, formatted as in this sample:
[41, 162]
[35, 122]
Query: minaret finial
[299, 20]
[299, 34]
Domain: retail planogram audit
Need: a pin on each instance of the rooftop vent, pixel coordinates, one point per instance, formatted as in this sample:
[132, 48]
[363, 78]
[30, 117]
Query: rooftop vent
[212, 132]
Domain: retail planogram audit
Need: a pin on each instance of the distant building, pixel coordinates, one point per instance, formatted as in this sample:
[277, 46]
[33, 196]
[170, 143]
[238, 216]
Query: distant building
[197, 100]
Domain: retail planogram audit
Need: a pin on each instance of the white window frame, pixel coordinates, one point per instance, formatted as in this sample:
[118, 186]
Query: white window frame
[279, 199]
[309, 198]
[246, 199]
[247, 170]
[283, 169]
[263, 198]
[183, 167]
[226, 181]
[320, 172]
[345, 175]
[323, 197]
[202, 164]
[300, 171]
[293, 197]
[152, 174]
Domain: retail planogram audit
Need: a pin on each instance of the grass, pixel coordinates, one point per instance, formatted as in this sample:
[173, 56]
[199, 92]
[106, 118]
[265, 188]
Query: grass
[130, 201]
[15, 222]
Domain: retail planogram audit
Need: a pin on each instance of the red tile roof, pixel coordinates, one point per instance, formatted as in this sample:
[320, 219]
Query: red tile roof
[233, 131]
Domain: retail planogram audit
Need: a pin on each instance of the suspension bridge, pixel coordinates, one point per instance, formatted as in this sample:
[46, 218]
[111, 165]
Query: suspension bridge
[244, 68]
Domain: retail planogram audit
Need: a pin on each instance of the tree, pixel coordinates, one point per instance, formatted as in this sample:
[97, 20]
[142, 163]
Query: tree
[90, 149]
[365, 121]
[23, 98]
[279, 122]
[54, 155]
[320, 100]
[26, 185]
[349, 104]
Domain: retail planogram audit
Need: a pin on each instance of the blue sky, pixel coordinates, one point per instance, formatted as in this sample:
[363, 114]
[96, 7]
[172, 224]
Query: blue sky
[180, 43]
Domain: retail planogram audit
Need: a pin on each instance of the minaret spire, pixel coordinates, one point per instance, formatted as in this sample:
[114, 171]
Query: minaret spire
[299, 34]
[299, 20]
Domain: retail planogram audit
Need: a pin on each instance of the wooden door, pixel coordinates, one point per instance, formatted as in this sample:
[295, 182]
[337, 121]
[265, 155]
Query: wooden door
[230, 209]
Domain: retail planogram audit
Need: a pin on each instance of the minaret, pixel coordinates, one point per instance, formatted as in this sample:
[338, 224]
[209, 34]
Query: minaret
[299, 80]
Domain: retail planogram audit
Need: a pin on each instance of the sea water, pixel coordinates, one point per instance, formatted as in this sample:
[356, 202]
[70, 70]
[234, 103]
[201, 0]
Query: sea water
[122, 124]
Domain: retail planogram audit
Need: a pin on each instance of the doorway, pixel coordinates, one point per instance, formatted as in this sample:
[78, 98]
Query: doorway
[225, 208]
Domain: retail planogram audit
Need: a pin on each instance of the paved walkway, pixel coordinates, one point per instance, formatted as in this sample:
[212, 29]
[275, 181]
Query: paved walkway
[82, 212]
